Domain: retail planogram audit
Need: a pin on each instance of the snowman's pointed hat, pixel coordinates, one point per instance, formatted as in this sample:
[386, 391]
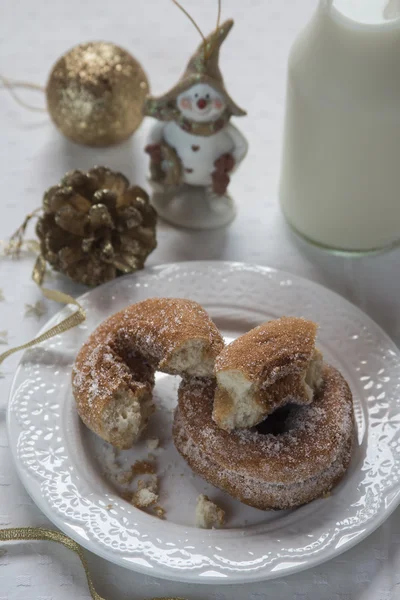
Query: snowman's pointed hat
[203, 67]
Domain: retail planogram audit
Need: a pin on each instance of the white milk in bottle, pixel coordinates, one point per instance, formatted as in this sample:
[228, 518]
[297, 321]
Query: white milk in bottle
[340, 178]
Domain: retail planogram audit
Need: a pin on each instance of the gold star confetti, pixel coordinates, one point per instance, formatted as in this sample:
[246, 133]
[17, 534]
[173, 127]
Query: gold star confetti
[3, 337]
[35, 310]
[1, 295]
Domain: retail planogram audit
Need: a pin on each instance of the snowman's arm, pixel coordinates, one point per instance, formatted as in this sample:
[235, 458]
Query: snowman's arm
[156, 133]
[240, 145]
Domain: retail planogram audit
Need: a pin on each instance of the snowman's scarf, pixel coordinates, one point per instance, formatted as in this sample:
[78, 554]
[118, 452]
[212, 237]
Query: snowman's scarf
[163, 112]
[204, 129]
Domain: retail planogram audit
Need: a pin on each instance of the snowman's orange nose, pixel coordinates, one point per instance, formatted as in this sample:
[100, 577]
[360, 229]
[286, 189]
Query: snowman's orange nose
[201, 103]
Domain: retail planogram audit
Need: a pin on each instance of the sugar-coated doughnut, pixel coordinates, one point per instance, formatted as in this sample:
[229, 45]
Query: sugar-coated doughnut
[269, 366]
[113, 375]
[269, 470]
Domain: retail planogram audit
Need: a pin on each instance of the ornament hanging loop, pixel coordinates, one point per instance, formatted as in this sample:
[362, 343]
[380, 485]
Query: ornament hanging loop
[191, 19]
[208, 49]
[219, 14]
[10, 84]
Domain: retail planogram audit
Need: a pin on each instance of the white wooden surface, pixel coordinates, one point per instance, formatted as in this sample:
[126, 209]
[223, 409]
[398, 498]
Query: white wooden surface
[33, 156]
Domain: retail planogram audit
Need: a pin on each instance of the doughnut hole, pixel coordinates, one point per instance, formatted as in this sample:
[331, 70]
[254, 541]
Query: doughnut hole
[277, 422]
[126, 415]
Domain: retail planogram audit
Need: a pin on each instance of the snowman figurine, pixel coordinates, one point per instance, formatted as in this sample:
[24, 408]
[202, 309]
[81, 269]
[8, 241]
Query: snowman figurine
[193, 147]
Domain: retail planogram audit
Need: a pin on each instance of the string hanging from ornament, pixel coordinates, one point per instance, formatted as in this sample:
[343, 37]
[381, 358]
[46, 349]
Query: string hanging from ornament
[10, 84]
[95, 94]
[208, 50]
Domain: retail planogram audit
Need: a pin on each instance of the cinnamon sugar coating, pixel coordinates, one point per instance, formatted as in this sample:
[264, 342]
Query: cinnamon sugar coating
[271, 350]
[116, 365]
[269, 471]
[271, 365]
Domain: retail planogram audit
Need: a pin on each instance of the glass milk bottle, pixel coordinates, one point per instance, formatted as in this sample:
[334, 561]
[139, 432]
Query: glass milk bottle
[340, 177]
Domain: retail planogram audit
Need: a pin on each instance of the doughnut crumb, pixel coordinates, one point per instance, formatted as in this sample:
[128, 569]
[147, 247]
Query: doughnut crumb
[152, 443]
[160, 512]
[147, 492]
[143, 467]
[125, 477]
[208, 514]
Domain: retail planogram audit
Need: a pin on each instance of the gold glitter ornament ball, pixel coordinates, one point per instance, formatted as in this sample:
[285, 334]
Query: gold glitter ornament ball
[95, 94]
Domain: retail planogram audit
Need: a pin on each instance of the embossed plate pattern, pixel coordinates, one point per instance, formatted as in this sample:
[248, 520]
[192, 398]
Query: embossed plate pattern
[55, 453]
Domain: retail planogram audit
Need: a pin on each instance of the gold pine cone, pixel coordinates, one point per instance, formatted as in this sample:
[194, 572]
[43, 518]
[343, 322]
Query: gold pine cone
[95, 227]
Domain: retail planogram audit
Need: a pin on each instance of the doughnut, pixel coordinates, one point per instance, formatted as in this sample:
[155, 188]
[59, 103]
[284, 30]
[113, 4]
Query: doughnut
[113, 375]
[273, 470]
[267, 367]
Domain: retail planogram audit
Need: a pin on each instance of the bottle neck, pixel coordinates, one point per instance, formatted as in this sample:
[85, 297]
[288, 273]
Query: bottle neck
[380, 14]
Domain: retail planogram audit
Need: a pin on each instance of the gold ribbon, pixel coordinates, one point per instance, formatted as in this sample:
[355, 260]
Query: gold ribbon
[73, 320]
[29, 534]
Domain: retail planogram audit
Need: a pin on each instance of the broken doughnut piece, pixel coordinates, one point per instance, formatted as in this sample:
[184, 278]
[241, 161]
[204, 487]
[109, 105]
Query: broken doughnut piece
[268, 367]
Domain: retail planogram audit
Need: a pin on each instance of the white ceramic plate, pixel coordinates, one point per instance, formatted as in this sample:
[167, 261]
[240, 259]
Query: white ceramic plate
[71, 474]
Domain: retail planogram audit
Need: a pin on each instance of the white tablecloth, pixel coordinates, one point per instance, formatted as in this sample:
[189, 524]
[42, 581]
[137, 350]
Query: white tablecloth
[33, 156]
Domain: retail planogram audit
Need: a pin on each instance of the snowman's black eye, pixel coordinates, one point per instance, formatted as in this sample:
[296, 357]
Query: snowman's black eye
[208, 96]
[196, 95]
